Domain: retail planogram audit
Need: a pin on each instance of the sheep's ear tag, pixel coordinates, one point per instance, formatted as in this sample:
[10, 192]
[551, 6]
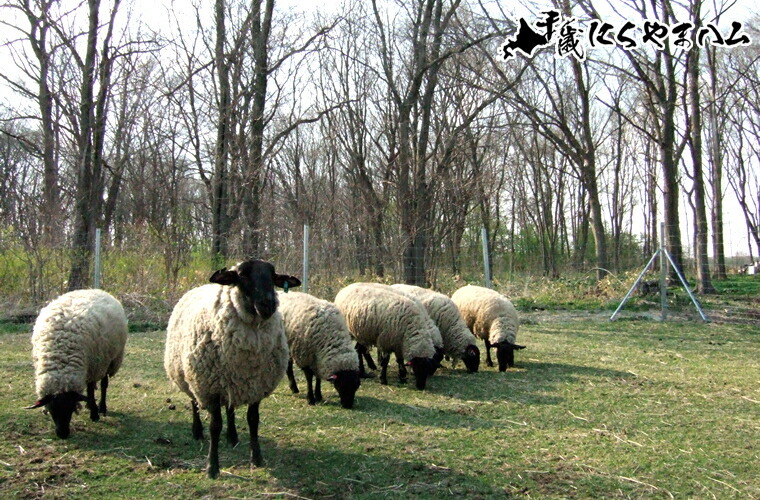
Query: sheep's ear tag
[408, 363]
[285, 287]
[332, 378]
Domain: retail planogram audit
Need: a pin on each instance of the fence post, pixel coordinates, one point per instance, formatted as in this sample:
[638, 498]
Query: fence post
[305, 280]
[96, 277]
[486, 263]
[663, 273]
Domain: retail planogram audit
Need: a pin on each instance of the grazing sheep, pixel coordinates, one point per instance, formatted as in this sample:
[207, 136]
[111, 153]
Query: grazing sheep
[458, 341]
[78, 340]
[226, 346]
[435, 333]
[320, 344]
[394, 323]
[492, 317]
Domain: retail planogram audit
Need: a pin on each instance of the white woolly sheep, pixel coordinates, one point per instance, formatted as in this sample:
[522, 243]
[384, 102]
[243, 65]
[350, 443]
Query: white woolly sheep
[458, 341]
[78, 340]
[492, 317]
[226, 346]
[320, 344]
[435, 333]
[394, 323]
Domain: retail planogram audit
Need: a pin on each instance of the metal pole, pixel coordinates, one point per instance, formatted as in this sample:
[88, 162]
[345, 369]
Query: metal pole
[628, 295]
[686, 286]
[486, 263]
[663, 273]
[305, 280]
[96, 278]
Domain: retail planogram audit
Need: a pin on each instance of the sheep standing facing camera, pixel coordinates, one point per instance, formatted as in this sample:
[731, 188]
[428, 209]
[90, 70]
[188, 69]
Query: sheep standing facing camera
[492, 317]
[320, 344]
[78, 340]
[226, 346]
[392, 322]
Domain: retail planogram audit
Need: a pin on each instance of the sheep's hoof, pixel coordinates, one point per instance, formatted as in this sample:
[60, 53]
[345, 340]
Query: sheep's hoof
[213, 473]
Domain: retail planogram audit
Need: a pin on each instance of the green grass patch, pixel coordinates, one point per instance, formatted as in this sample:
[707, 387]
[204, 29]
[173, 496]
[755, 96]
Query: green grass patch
[630, 409]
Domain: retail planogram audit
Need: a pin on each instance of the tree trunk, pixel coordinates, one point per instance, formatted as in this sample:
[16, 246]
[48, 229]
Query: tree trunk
[716, 161]
[221, 196]
[704, 284]
[85, 210]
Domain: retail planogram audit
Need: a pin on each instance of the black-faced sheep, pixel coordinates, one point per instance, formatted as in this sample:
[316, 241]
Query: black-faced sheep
[78, 340]
[493, 318]
[226, 346]
[320, 344]
[392, 322]
[458, 341]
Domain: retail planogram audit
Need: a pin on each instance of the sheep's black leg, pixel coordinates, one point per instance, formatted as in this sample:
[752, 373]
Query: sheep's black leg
[310, 385]
[103, 389]
[364, 354]
[362, 371]
[197, 424]
[318, 389]
[385, 358]
[402, 373]
[292, 377]
[91, 404]
[215, 429]
[232, 435]
[489, 362]
[253, 428]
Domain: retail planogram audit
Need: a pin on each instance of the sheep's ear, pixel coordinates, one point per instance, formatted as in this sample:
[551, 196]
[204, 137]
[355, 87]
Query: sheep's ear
[332, 378]
[286, 281]
[517, 347]
[224, 277]
[40, 402]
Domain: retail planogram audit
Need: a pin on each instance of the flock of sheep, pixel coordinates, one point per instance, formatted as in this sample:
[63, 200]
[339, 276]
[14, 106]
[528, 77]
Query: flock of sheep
[229, 343]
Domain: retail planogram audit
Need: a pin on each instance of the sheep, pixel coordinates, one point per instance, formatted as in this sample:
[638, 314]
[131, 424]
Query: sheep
[320, 344]
[226, 346]
[492, 317]
[458, 341]
[394, 323]
[432, 328]
[78, 340]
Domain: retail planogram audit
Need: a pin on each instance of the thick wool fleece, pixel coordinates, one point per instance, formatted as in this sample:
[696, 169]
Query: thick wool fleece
[435, 333]
[456, 336]
[78, 339]
[489, 314]
[214, 347]
[318, 337]
[386, 319]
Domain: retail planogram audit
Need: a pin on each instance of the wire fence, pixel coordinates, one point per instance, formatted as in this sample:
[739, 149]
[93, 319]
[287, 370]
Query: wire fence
[149, 275]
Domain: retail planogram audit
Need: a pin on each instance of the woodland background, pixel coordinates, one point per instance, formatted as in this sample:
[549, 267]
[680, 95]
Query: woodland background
[195, 135]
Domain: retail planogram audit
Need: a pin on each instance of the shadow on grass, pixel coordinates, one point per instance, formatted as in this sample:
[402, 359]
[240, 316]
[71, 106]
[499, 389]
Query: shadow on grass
[410, 414]
[530, 382]
[320, 473]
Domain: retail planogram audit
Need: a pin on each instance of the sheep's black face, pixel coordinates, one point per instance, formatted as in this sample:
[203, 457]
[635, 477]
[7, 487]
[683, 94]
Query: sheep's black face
[505, 354]
[256, 280]
[471, 358]
[61, 407]
[422, 368]
[346, 382]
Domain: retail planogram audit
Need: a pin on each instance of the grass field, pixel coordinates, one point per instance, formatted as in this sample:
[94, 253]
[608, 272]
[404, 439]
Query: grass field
[629, 409]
